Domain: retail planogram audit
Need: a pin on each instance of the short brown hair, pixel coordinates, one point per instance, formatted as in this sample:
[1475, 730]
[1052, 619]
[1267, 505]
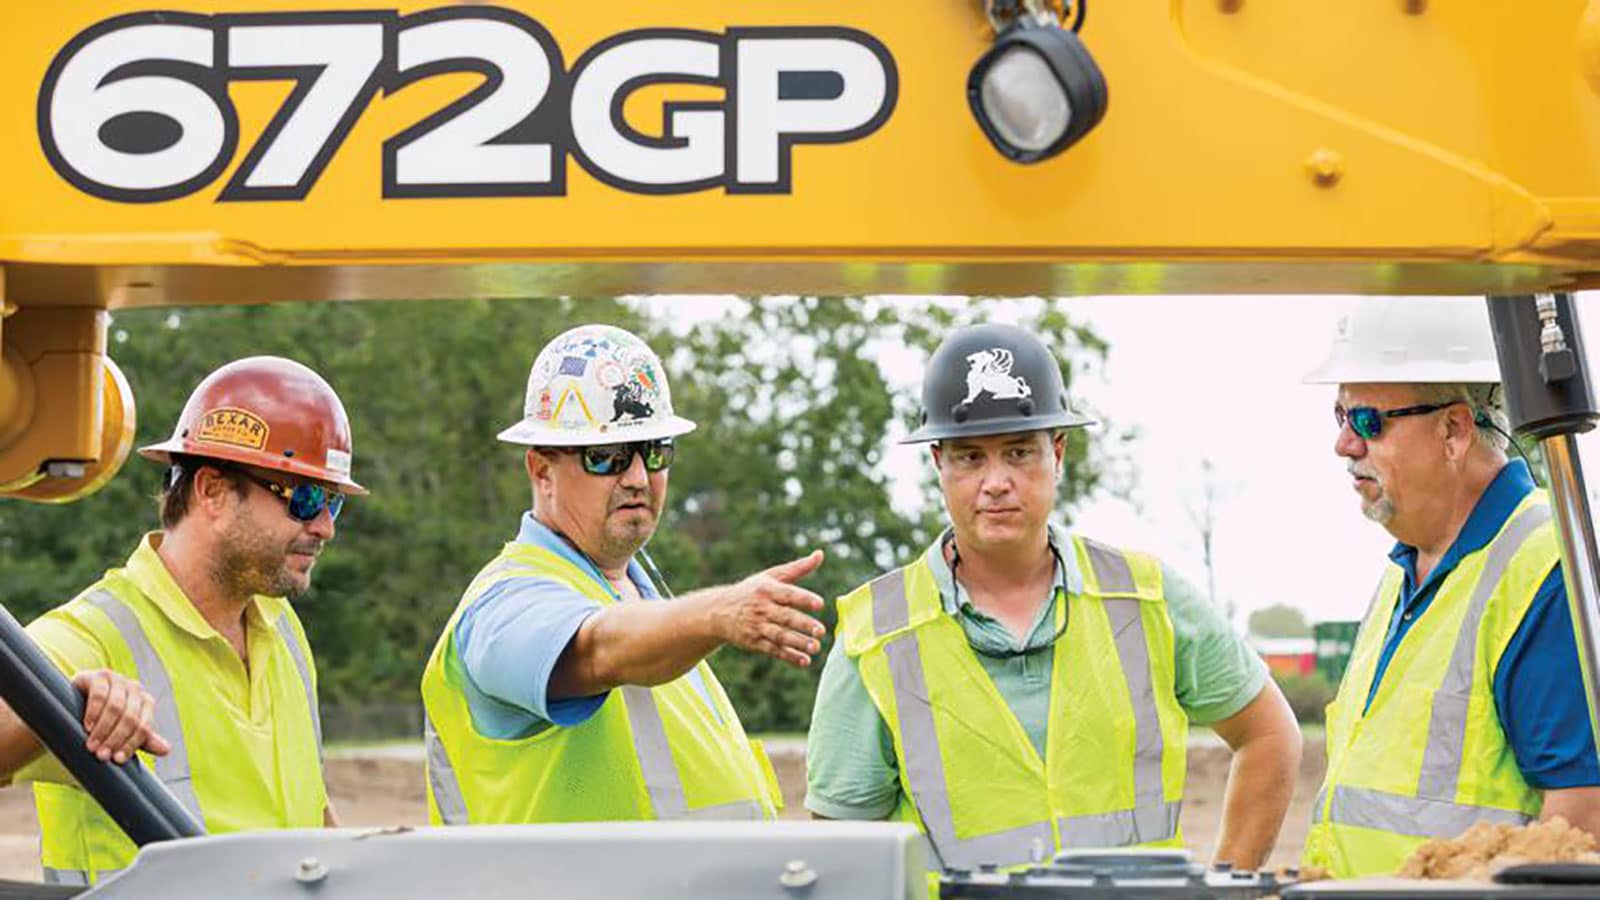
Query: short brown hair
[179, 485]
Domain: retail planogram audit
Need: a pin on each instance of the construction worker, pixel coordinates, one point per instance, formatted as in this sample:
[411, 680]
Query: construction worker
[258, 468]
[1017, 690]
[1463, 701]
[563, 688]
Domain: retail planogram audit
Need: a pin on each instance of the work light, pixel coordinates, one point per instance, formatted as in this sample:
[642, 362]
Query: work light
[1037, 91]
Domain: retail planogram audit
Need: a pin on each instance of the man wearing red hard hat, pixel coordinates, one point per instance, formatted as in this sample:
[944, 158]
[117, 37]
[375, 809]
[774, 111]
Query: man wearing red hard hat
[190, 653]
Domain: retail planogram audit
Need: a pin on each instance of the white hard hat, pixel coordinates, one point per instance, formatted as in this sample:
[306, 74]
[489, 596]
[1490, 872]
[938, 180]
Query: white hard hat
[1413, 340]
[596, 384]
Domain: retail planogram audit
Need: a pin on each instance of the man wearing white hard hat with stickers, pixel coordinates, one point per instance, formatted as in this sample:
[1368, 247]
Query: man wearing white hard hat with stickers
[563, 688]
[1463, 701]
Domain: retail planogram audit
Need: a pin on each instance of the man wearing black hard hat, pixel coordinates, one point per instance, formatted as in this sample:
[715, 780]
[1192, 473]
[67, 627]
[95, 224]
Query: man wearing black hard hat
[1018, 690]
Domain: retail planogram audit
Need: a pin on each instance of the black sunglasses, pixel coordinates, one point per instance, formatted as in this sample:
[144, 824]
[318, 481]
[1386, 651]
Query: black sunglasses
[1367, 421]
[305, 501]
[614, 459]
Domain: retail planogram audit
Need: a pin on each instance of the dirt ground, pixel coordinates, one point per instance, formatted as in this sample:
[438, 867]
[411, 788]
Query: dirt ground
[386, 789]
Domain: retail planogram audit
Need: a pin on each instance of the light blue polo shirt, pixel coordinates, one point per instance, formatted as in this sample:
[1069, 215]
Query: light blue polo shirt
[511, 637]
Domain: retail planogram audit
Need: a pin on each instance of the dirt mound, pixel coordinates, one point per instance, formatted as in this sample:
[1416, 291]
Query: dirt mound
[1485, 849]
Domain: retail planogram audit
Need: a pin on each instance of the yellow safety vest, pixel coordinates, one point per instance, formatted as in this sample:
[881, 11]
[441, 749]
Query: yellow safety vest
[969, 775]
[1429, 757]
[647, 753]
[234, 769]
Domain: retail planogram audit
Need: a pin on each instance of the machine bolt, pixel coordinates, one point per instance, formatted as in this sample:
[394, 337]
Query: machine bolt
[1229, 6]
[1413, 7]
[311, 871]
[1325, 167]
[796, 875]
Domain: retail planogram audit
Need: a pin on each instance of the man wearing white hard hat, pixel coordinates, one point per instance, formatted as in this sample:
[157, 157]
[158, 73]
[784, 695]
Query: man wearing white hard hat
[1463, 701]
[563, 688]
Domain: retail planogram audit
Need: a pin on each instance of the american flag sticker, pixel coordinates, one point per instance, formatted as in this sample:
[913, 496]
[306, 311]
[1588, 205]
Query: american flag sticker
[573, 365]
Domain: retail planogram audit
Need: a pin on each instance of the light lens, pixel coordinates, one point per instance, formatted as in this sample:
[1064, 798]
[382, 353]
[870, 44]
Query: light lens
[1023, 100]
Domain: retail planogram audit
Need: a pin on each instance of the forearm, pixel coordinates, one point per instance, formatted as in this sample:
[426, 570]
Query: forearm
[1580, 806]
[1265, 739]
[18, 745]
[638, 643]
[1260, 784]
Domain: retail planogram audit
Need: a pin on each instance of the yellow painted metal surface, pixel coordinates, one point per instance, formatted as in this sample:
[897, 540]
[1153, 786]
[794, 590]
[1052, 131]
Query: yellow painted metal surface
[1380, 146]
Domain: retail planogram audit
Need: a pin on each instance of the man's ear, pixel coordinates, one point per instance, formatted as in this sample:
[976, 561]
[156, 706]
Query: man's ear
[212, 491]
[936, 453]
[1460, 430]
[539, 464]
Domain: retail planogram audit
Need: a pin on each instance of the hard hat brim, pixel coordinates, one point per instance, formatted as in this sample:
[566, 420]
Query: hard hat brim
[1427, 372]
[927, 434]
[162, 453]
[534, 432]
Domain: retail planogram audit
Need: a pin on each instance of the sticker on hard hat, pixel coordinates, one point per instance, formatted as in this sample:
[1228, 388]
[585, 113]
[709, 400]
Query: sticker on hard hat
[233, 426]
[137, 108]
[338, 462]
[989, 371]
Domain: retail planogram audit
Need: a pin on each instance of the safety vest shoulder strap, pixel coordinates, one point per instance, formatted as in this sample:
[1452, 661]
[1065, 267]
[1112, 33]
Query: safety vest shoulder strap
[518, 559]
[1110, 572]
[887, 606]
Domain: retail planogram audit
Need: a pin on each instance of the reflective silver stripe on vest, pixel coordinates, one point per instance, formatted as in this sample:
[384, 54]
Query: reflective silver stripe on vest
[1149, 789]
[173, 769]
[75, 877]
[1141, 824]
[442, 778]
[1415, 816]
[286, 632]
[654, 752]
[924, 768]
[1110, 567]
[890, 611]
[741, 810]
[1319, 804]
[1447, 730]
[661, 779]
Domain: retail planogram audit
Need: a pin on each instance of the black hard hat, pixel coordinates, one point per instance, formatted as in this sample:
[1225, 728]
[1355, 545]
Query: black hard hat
[992, 379]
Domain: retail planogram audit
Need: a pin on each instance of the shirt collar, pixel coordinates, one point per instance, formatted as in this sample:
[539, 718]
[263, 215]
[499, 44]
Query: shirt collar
[1067, 576]
[535, 533]
[1498, 501]
[149, 573]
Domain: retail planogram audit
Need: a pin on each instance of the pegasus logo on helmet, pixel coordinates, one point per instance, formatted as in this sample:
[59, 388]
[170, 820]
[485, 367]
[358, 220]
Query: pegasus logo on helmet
[990, 371]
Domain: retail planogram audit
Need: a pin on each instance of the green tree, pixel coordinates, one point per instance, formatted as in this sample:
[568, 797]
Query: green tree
[1279, 621]
[794, 411]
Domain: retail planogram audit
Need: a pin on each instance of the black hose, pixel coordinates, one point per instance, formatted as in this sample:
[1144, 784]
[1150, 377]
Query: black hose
[48, 703]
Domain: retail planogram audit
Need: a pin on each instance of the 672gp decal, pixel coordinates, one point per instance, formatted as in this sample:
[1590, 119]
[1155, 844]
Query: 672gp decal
[136, 108]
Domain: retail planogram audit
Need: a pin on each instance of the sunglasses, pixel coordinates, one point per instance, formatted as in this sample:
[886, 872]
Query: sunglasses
[1367, 421]
[305, 501]
[614, 459]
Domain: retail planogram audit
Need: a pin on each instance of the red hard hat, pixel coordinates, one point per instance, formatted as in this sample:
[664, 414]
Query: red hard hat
[268, 412]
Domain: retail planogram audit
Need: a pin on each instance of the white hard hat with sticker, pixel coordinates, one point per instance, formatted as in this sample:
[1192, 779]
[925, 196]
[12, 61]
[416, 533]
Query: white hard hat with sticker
[1415, 340]
[596, 384]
